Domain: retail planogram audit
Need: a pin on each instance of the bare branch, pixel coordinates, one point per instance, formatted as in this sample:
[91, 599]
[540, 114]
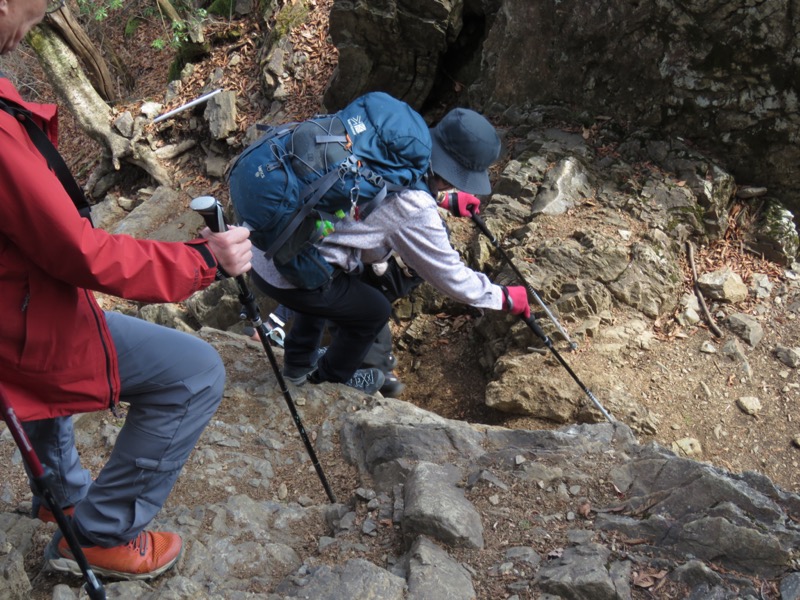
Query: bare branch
[93, 115]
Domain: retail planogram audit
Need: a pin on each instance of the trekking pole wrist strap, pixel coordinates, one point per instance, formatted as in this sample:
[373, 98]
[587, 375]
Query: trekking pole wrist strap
[508, 303]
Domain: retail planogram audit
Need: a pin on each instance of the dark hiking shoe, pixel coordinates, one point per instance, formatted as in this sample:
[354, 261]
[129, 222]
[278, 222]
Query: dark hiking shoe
[368, 381]
[392, 387]
[299, 374]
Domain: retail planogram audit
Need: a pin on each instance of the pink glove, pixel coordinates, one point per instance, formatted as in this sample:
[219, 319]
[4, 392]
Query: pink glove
[516, 300]
[461, 204]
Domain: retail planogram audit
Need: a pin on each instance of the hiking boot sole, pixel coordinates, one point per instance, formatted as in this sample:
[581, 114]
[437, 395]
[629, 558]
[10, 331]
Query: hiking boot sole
[67, 565]
[62, 564]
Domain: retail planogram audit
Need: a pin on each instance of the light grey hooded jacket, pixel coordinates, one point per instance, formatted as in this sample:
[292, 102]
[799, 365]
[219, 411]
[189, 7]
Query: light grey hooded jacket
[409, 225]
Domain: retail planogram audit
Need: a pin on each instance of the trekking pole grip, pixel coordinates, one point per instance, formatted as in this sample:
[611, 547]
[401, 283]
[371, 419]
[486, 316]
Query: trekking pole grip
[211, 210]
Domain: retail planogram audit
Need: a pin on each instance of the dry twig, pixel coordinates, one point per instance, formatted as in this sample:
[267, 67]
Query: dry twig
[711, 324]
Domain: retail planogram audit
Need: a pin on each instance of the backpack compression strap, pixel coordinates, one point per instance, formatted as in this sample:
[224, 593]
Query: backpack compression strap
[353, 165]
[318, 189]
[50, 154]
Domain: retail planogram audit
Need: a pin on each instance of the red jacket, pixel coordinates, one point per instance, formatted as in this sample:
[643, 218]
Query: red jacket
[56, 354]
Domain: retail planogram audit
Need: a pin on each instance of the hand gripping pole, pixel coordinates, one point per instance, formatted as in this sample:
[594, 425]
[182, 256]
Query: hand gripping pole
[94, 589]
[493, 240]
[211, 211]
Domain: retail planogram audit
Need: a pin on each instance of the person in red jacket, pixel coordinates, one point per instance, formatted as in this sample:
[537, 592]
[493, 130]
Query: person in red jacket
[60, 354]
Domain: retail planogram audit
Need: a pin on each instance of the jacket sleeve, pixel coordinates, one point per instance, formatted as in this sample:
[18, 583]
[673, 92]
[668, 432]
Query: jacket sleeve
[422, 242]
[38, 217]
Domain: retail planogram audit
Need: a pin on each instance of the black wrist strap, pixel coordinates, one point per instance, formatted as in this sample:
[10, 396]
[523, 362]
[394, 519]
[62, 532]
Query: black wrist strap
[210, 259]
[50, 154]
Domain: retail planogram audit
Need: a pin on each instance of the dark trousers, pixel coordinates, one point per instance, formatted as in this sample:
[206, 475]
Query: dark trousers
[357, 309]
[380, 352]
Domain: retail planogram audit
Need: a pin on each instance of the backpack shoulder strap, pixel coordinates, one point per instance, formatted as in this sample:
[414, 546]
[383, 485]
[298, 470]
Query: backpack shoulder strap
[51, 155]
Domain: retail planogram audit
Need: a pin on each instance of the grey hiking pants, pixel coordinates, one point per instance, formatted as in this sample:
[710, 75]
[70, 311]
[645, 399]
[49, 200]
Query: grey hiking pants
[174, 383]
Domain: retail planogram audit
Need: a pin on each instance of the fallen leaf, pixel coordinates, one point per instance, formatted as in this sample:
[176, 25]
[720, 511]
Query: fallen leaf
[646, 580]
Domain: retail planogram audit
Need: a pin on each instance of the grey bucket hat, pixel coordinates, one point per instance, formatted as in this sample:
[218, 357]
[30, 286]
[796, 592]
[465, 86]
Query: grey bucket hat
[465, 145]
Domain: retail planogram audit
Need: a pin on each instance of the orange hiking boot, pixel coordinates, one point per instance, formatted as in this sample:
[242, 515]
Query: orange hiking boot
[46, 515]
[146, 556]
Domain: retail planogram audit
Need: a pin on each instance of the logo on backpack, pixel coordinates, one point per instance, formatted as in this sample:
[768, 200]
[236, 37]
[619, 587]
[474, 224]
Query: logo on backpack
[357, 124]
[292, 185]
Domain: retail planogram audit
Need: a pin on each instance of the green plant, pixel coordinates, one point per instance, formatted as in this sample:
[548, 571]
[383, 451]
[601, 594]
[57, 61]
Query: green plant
[131, 26]
[179, 33]
[98, 10]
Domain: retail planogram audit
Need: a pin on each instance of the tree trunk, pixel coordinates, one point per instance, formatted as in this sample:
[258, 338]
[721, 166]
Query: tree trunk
[65, 24]
[167, 9]
[93, 115]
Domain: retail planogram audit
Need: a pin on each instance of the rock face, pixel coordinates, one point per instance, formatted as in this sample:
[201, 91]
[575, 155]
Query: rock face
[424, 502]
[667, 514]
[626, 257]
[718, 73]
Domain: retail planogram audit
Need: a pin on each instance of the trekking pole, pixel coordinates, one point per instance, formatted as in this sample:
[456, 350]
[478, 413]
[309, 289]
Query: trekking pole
[531, 322]
[482, 226]
[211, 211]
[93, 587]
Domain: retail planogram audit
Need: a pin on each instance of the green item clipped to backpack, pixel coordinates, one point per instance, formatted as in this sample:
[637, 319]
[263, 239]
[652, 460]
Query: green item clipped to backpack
[292, 185]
